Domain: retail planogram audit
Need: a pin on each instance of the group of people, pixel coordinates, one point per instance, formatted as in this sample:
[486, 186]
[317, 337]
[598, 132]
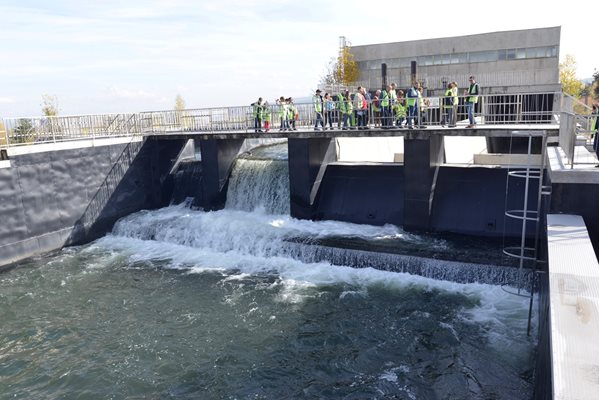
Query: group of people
[288, 114]
[391, 107]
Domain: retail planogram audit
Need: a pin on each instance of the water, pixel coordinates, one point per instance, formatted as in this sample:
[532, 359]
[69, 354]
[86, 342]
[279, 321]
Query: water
[185, 304]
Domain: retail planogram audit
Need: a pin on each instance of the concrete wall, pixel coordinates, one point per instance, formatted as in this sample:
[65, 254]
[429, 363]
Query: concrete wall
[457, 44]
[515, 75]
[50, 199]
[466, 200]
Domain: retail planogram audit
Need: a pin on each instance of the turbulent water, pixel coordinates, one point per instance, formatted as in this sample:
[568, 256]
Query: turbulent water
[186, 304]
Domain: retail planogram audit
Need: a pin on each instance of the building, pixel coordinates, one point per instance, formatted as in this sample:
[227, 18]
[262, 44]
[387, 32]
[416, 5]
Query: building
[503, 62]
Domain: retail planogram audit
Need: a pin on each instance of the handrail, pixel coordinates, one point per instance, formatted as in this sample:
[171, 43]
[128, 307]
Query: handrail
[505, 109]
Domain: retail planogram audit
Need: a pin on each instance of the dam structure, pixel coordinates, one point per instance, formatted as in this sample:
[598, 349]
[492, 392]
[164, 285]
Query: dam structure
[201, 184]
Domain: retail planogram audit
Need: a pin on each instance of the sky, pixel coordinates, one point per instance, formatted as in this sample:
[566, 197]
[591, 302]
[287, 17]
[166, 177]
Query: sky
[130, 55]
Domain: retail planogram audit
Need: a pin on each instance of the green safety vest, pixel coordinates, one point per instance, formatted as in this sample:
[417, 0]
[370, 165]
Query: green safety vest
[412, 100]
[447, 101]
[317, 103]
[384, 99]
[291, 111]
[473, 99]
[266, 114]
[393, 96]
[349, 107]
[283, 110]
[257, 112]
[400, 110]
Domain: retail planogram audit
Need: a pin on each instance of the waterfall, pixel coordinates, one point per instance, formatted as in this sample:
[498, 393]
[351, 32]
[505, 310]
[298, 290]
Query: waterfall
[259, 184]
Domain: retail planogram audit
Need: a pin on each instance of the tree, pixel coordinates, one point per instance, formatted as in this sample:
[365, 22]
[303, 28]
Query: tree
[49, 105]
[595, 85]
[179, 103]
[567, 77]
[180, 117]
[22, 132]
[346, 71]
[329, 77]
[341, 71]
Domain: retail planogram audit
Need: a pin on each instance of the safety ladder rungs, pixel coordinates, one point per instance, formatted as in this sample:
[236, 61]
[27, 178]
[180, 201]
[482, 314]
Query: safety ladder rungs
[532, 174]
[514, 214]
[511, 251]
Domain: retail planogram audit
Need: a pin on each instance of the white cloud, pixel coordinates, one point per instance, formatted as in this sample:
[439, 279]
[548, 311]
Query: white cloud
[7, 100]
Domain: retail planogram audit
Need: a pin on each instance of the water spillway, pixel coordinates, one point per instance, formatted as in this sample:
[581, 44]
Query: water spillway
[247, 302]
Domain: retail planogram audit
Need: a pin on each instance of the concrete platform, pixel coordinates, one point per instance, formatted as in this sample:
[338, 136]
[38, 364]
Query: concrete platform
[583, 171]
[306, 133]
[574, 308]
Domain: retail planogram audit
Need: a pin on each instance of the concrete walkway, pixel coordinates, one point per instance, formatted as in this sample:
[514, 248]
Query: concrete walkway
[574, 308]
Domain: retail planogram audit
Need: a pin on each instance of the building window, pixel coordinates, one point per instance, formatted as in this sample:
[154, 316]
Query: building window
[520, 53]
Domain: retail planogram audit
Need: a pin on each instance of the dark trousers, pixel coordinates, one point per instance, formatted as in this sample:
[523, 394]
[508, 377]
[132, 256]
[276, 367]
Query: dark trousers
[257, 123]
[328, 118]
[412, 115]
[319, 119]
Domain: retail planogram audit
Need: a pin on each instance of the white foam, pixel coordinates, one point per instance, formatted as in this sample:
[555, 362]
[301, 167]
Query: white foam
[241, 244]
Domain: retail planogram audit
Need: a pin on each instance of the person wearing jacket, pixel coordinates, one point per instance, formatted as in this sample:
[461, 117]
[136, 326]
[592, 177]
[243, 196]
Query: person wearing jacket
[400, 109]
[456, 101]
[360, 107]
[472, 92]
[384, 101]
[283, 114]
[447, 106]
[266, 116]
[257, 114]
[412, 101]
[329, 106]
[292, 112]
[346, 108]
[319, 108]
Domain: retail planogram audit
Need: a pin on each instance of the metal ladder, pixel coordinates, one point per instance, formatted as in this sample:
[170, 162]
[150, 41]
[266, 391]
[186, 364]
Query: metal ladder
[530, 218]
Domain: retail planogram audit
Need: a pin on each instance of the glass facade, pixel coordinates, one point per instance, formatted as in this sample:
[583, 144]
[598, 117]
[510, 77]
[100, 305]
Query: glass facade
[463, 58]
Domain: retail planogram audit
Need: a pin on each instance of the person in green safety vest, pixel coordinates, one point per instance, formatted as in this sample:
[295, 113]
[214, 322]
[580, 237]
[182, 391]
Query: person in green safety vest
[447, 106]
[283, 113]
[318, 107]
[346, 108]
[292, 109]
[376, 108]
[257, 114]
[412, 102]
[472, 92]
[386, 124]
[400, 109]
[266, 112]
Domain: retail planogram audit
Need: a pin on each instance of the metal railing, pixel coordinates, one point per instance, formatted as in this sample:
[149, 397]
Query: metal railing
[522, 108]
[577, 130]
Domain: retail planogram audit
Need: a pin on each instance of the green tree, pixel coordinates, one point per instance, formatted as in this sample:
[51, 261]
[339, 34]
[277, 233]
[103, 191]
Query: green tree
[22, 132]
[567, 77]
[49, 105]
